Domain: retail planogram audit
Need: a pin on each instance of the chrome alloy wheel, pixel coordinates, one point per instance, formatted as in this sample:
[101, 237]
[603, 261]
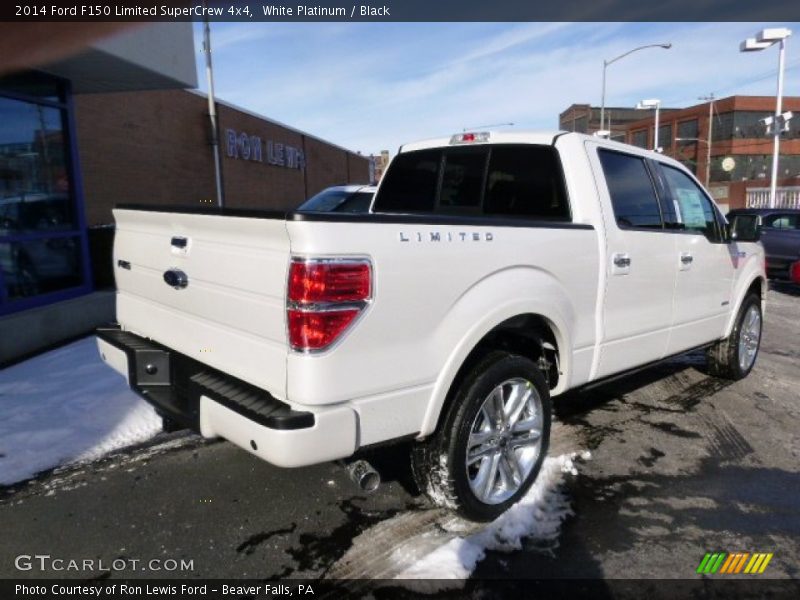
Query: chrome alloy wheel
[505, 441]
[749, 338]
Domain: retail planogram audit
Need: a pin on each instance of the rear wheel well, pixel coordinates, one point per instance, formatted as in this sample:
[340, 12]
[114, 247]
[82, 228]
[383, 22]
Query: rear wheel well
[527, 335]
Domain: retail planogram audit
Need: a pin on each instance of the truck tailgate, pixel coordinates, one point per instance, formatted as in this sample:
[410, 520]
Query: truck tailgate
[231, 313]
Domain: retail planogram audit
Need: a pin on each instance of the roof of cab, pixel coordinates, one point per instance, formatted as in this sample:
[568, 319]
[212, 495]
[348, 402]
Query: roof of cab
[495, 137]
[521, 136]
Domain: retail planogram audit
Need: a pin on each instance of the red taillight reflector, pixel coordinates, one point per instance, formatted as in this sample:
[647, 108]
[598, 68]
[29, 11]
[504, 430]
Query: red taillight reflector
[317, 330]
[314, 282]
[794, 272]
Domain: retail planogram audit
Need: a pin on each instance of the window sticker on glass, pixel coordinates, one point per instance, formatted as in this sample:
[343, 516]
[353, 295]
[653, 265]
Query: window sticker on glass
[691, 208]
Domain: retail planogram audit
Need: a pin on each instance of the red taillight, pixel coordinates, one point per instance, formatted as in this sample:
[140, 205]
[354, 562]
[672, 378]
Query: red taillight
[794, 272]
[324, 297]
[318, 330]
[311, 282]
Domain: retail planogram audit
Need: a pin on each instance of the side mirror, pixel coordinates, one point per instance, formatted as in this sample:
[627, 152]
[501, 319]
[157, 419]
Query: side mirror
[744, 228]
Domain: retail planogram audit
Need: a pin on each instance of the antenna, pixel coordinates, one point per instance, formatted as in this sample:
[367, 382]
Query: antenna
[487, 126]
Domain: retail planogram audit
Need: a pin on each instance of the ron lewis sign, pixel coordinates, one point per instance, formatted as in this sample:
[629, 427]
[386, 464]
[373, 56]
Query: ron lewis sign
[251, 147]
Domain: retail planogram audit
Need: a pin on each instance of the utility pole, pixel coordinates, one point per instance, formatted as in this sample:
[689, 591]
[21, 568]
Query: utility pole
[710, 100]
[212, 110]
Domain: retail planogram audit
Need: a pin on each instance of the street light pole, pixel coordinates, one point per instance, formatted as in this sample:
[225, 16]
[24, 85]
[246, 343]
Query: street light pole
[764, 39]
[776, 128]
[656, 104]
[606, 63]
[655, 131]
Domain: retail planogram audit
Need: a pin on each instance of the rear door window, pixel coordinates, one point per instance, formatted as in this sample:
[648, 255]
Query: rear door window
[633, 195]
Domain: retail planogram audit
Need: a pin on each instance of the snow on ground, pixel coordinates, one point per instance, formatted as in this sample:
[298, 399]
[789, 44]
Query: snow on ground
[538, 516]
[66, 406]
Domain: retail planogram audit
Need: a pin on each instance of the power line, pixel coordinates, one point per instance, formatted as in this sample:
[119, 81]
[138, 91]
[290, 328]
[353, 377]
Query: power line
[767, 75]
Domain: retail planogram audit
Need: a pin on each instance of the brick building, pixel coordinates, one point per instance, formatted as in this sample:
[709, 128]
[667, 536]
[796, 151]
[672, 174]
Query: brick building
[584, 118]
[152, 147]
[741, 148]
[379, 162]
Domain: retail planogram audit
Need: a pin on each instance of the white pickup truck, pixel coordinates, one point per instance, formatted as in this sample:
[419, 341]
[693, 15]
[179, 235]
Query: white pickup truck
[493, 271]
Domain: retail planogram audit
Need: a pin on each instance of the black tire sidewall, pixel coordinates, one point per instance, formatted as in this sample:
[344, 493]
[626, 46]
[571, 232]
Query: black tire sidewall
[468, 402]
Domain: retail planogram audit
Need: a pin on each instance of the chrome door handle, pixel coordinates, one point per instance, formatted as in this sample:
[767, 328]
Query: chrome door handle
[622, 260]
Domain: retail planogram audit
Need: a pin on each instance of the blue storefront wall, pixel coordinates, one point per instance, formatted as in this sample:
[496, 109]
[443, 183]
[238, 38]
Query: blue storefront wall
[43, 238]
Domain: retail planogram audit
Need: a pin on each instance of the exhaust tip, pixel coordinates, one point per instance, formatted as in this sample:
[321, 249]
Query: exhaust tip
[364, 476]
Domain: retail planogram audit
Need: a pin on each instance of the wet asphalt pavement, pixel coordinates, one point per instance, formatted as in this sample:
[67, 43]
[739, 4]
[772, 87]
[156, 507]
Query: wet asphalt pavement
[682, 464]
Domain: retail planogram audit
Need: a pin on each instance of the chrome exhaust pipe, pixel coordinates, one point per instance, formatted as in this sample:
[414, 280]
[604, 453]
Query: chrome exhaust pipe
[364, 475]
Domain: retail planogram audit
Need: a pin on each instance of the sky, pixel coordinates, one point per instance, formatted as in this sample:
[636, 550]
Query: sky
[374, 86]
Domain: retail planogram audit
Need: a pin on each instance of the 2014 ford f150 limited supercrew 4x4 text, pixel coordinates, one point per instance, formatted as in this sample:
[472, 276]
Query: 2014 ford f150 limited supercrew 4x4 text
[493, 272]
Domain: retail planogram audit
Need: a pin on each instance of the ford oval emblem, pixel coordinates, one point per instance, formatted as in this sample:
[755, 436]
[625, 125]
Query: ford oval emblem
[176, 278]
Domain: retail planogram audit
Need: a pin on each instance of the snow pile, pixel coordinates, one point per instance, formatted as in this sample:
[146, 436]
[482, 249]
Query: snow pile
[537, 516]
[66, 406]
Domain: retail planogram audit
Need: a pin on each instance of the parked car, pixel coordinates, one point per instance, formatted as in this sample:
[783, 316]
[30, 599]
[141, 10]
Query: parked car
[494, 271]
[780, 234]
[341, 198]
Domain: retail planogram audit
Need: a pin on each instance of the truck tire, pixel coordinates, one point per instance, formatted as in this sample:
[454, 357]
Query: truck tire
[482, 460]
[733, 358]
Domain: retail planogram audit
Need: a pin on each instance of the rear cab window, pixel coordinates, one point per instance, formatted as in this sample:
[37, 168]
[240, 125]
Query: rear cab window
[501, 180]
[410, 183]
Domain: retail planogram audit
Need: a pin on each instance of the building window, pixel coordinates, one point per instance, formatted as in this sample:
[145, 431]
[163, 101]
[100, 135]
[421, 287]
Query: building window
[688, 130]
[687, 145]
[665, 135]
[42, 234]
[722, 127]
[581, 125]
[748, 167]
[748, 124]
[639, 138]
